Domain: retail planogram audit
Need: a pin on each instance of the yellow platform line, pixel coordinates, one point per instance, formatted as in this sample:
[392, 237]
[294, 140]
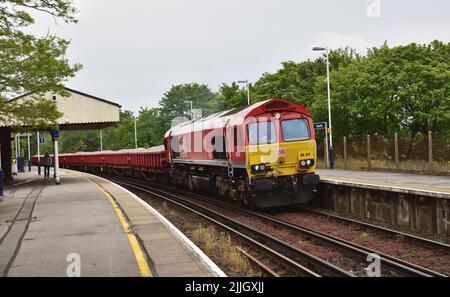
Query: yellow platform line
[142, 264]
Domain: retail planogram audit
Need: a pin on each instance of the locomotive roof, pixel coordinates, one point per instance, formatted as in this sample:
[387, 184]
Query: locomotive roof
[237, 116]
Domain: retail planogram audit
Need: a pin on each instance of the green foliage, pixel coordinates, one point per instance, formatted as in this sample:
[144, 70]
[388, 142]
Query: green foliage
[120, 136]
[76, 141]
[39, 113]
[295, 82]
[15, 13]
[32, 64]
[150, 130]
[229, 96]
[176, 103]
[405, 89]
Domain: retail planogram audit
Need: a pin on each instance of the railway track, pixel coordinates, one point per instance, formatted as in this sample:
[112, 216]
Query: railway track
[411, 237]
[389, 264]
[273, 256]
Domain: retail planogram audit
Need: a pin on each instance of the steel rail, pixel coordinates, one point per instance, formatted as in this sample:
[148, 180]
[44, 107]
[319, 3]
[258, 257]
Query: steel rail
[399, 266]
[308, 264]
[412, 237]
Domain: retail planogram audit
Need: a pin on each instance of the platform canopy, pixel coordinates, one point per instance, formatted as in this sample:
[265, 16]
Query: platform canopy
[81, 111]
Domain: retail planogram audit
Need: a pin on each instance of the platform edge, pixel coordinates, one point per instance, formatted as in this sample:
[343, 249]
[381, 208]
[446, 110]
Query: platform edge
[418, 192]
[201, 255]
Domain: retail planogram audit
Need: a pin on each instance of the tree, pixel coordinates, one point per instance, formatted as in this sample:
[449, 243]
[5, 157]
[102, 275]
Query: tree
[402, 89]
[121, 135]
[32, 64]
[228, 97]
[294, 81]
[411, 87]
[150, 131]
[176, 102]
[80, 141]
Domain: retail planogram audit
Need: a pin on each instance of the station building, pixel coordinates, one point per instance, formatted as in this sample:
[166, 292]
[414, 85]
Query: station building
[80, 111]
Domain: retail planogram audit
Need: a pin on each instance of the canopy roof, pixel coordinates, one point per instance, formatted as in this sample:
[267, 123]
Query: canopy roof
[80, 111]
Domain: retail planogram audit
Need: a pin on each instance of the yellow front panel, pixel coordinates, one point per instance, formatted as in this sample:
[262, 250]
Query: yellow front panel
[272, 155]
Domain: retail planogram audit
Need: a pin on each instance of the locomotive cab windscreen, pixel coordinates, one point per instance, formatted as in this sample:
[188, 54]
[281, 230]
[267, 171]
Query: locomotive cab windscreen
[261, 133]
[295, 129]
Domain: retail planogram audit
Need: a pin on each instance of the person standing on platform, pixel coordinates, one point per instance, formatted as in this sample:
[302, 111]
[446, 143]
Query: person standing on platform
[47, 162]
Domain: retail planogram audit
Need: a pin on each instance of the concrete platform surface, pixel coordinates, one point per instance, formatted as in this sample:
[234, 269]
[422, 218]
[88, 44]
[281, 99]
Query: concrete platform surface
[89, 227]
[436, 186]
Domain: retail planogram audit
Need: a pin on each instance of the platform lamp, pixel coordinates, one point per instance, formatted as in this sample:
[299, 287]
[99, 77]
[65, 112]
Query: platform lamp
[101, 140]
[247, 85]
[135, 132]
[191, 111]
[330, 149]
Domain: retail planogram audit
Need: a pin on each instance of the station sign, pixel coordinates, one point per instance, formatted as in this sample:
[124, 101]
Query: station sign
[320, 125]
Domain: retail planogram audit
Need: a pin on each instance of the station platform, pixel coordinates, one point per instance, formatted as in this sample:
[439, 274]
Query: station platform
[88, 226]
[426, 185]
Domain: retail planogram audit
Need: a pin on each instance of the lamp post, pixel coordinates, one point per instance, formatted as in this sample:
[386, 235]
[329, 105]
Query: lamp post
[17, 146]
[191, 104]
[101, 140]
[38, 151]
[248, 89]
[135, 133]
[29, 152]
[330, 149]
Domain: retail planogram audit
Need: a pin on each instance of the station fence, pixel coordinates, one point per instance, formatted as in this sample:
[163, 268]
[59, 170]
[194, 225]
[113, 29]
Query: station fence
[423, 154]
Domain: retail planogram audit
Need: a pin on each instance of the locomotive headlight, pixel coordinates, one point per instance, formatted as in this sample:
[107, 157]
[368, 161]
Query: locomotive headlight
[259, 168]
[307, 163]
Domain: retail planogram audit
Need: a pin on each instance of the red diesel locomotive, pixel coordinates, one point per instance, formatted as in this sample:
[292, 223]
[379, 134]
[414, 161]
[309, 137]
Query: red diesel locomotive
[259, 155]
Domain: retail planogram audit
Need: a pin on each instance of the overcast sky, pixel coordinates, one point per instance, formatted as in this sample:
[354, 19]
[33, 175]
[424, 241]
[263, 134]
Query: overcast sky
[134, 50]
